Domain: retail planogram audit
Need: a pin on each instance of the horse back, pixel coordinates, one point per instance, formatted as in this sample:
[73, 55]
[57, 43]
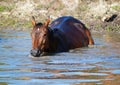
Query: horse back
[73, 31]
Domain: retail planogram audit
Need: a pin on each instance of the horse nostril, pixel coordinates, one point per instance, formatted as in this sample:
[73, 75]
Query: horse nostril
[35, 53]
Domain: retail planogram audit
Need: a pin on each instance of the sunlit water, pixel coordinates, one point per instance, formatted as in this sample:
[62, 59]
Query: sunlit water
[95, 65]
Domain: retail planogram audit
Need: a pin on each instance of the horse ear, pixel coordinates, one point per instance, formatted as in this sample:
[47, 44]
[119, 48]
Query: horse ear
[47, 22]
[33, 21]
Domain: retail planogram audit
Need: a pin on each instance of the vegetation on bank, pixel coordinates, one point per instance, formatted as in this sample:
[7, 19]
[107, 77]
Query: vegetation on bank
[96, 14]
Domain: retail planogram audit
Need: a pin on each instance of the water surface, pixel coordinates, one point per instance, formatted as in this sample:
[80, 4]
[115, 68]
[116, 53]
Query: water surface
[95, 65]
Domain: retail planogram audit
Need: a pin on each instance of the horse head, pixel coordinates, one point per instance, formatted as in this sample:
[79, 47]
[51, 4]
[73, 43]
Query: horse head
[40, 37]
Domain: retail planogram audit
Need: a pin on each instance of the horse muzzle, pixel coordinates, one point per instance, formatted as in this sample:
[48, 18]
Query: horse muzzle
[36, 52]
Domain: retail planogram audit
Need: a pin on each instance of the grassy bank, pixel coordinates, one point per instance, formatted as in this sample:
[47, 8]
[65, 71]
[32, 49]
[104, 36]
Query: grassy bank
[94, 13]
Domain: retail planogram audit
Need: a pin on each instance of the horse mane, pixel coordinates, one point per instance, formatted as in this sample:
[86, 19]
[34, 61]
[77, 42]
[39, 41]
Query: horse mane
[39, 24]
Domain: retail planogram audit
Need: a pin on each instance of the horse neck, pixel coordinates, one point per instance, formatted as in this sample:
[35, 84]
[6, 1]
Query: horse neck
[57, 41]
[52, 41]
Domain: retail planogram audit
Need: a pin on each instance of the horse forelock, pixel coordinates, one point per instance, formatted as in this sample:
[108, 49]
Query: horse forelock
[39, 24]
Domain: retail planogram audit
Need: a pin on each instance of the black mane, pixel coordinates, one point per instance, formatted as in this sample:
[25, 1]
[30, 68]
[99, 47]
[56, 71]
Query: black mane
[39, 24]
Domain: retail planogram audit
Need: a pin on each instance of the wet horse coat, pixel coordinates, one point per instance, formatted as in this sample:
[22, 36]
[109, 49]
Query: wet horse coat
[67, 33]
[73, 30]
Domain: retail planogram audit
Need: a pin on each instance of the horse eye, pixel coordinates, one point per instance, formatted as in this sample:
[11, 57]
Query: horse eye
[45, 34]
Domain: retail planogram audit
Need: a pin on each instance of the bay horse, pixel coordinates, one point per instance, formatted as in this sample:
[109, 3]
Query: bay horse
[61, 35]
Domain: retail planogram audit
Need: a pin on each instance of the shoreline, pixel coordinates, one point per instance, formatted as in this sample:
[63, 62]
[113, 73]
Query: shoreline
[97, 16]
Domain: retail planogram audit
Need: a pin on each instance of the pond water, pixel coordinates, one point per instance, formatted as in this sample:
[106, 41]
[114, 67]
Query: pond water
[93, 65]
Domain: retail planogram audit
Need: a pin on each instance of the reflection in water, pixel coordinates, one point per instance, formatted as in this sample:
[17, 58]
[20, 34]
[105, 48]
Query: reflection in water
[95, 65]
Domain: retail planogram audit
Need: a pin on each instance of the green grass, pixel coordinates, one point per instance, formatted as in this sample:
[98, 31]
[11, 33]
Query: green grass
[6, 8]
[2, 8]
[7, 22]
[3, 83]
[27, 24]
[117, 8]
[109, 28]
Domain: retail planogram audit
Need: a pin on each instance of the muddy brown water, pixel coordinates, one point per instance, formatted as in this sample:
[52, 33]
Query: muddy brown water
[93, 65]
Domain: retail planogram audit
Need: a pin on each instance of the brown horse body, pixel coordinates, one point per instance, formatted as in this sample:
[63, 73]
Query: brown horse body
[64, 33]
